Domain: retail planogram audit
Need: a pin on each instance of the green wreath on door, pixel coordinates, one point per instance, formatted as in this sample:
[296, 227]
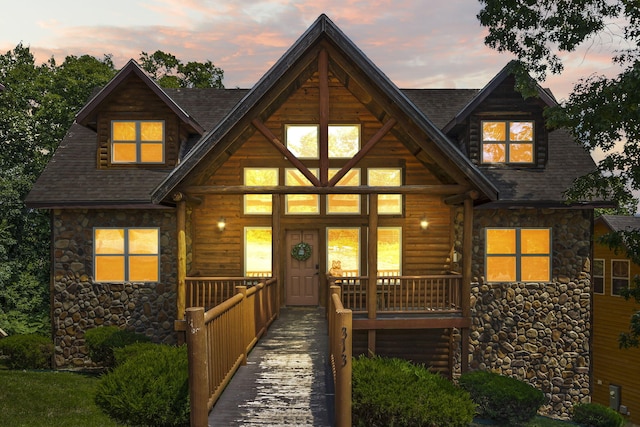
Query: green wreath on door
[301, 251]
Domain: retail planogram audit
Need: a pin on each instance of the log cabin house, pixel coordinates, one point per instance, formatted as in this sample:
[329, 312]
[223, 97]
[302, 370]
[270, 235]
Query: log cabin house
[440, 213]
[616, 371]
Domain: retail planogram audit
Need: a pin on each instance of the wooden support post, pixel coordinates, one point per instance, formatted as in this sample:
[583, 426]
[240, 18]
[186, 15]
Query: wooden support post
[276, 236]
[467, 255]
[344, 368]
[198, 370]
[372, 269]
[181, 297]
[323, 134]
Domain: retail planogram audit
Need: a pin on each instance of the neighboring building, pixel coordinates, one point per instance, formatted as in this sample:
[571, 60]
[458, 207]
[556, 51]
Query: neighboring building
[448, 202]
[616, 371]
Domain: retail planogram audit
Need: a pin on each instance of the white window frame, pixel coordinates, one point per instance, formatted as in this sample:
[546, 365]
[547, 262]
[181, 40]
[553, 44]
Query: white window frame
[602, 277]
[627, 278]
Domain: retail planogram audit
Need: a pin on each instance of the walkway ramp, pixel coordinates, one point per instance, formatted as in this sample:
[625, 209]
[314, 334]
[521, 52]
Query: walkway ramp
[283, 382]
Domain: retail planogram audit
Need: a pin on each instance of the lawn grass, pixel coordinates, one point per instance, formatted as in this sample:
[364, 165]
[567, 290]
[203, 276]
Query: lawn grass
[538, 421]
[52, 399]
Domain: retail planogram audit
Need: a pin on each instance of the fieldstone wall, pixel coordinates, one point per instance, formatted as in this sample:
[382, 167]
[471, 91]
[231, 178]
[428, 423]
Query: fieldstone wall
[79, 304]
[537, 332]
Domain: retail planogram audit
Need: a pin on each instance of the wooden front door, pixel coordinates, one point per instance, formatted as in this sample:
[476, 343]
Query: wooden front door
[302, 278]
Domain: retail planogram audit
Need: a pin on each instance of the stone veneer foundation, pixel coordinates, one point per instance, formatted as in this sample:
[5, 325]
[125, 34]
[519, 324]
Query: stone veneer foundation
[79, 304]
[536, 332]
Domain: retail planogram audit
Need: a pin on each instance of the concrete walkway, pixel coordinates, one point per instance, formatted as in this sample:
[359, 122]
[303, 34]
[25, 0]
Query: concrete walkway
[283, 382]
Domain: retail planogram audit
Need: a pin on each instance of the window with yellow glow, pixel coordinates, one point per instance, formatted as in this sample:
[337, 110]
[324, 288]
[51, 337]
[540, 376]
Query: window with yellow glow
[343, 245]
[507, 142]
[619, 275]
[137, 141]
[259, 204]
[257, 251]
[388, 204]
[302, 140]
[300, 203]
[343, 141]
[126, 254]
[345, 203]
[518, 254]
[389, 251]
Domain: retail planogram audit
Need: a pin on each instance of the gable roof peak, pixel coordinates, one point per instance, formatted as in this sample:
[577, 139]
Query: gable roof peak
[133, 68]
[497, 80]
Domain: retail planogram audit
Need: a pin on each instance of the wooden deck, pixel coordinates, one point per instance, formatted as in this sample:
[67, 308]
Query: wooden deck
[283, 382]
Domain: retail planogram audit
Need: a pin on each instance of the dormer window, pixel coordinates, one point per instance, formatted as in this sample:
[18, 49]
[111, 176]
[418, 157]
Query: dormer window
[509, 142]
[137, 141]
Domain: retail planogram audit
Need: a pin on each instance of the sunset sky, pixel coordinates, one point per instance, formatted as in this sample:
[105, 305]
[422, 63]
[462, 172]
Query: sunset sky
[417, 43]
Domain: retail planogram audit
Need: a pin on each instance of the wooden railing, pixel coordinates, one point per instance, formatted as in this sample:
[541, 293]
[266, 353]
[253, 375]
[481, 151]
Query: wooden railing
[401, 294]
[208, 292]
[340, 351]
[219, 339]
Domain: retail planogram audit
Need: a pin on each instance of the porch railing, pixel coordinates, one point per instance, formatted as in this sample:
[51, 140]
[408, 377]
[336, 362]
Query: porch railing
[219, 339]
[340, 351]
[208, 292]
[401, 294]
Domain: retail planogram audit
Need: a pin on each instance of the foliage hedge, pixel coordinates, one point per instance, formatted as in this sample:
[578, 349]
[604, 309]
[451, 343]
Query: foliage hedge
[595, 415]
[30, 351]
[502, 399]
[394, 392]
[150, 388]
[102, 341]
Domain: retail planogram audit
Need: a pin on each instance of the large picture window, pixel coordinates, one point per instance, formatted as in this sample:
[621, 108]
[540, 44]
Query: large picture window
[137, 141]
[597, 277]
[345, 203]
[518, 254]
[388, 204]
[619, 275]
[259, 204]
[126, 254]
[507, 142]
[389, 251]
[257, 252]
[343, 249]
[308, 204]
[302, 141]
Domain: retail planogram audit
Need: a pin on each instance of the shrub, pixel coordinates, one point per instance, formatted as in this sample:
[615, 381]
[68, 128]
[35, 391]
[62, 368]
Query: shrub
[594, 415]
[30, 351]
[388, 392]
[149, 389]
[102, 340]
[122, 354]
[502, 399]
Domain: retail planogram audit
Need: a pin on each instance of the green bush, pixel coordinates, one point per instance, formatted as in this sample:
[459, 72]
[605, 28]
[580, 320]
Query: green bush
[123, 354]
[149, 389]
[502, 399]
[30, 351]
[101, 342]
[394, 392]
[594, 415]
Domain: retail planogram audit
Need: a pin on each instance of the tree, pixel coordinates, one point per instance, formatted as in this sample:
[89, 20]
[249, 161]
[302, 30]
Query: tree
[37, 107]
[169, 71]
[601, 112]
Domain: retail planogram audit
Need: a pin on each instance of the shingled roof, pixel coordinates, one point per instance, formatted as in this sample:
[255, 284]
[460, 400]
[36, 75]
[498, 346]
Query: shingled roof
[621, 222]
[72, 179]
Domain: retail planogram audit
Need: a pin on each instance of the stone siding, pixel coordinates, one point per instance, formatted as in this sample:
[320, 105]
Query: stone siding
[79, 304]
[537, 332]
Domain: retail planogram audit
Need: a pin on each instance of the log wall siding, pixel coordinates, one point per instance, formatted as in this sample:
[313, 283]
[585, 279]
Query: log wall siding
[216, 253]
[506, 104]
[611, 316]
[135, 101]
